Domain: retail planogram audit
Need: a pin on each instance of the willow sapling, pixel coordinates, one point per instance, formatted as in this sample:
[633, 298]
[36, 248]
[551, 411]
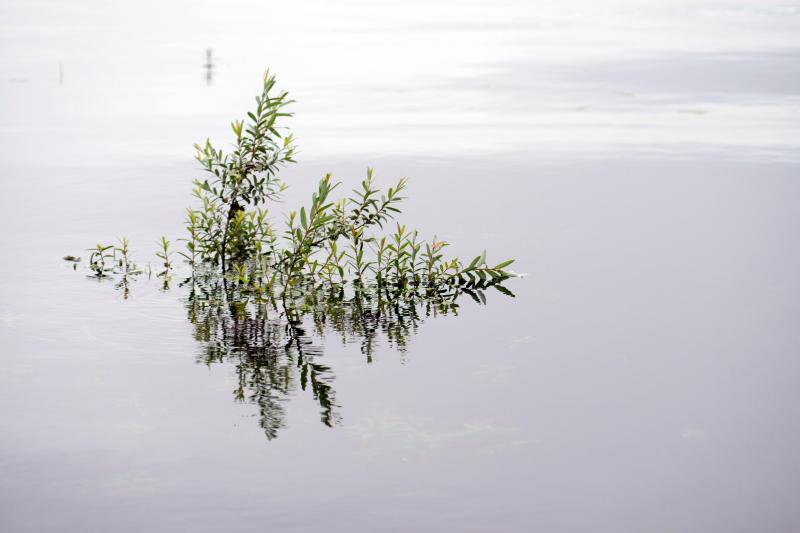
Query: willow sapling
[336, 241]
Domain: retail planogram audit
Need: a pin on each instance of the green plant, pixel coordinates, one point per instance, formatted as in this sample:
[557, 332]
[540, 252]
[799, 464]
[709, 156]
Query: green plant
[335, 241]
[248, 175]
[98, 258]
[165, 254]
[193, 229]
[338, 265]
[124, 262]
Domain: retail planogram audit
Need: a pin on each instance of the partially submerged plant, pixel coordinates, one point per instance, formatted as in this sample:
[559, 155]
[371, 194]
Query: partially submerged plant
[100, 259]
[165, 254]
[333, 241]
[254, 288]
[124, 261]
[192, 220]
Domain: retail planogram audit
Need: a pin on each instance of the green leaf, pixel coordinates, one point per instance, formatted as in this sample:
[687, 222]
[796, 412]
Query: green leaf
[504, 264]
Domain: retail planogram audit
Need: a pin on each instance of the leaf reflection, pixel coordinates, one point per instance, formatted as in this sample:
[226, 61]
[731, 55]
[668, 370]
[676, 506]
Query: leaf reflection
[276, 344]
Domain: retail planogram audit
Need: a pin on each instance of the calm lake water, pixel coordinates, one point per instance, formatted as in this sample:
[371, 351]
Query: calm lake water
[639, 160]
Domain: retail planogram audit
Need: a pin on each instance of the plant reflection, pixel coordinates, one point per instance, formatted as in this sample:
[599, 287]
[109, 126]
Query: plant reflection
[275, 344]
[208, 66]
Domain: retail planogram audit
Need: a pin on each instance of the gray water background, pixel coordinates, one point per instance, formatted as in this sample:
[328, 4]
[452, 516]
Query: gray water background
[638, 159]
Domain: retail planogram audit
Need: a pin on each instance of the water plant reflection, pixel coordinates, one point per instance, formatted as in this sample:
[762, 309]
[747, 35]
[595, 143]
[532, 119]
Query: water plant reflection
[276, 343]
[262, 297]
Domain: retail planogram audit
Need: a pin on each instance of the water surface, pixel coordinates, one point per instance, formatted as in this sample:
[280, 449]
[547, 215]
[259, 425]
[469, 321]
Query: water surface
[638, 159]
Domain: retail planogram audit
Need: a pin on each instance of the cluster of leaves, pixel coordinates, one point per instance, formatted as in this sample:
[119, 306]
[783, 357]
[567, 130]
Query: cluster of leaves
[329, 240]
[335, 241]
[108, 259]
[246, 177]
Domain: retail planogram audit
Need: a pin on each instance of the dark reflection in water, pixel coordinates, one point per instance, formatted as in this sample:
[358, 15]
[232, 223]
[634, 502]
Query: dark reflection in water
[208, 66]
[275, 344]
